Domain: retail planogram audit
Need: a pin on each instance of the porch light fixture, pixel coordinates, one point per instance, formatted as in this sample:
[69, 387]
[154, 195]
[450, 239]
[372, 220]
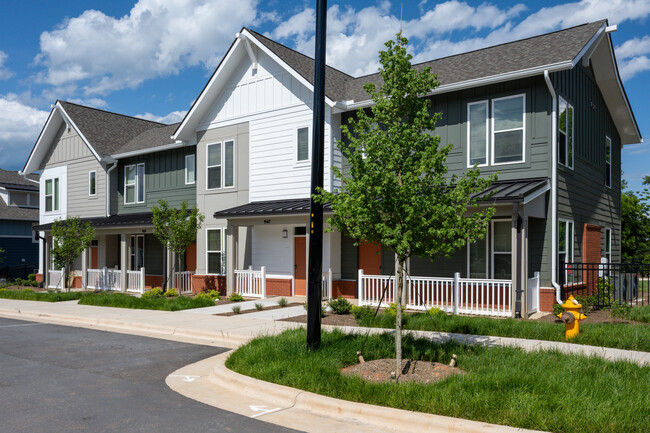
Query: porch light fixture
[285, 233]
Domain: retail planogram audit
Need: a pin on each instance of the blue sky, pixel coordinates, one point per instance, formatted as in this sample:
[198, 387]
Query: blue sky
[151, 58]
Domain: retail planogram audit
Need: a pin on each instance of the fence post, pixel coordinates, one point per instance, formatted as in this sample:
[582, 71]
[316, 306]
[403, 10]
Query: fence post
[456, 292]
[330, 289]
[104, 278]
[142, 279]
[360, 286]
[263, 275]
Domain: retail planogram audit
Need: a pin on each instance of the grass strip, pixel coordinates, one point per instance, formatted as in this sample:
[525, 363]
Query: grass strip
[540, 390]
[120, 300]
[640, 314]
[615, 335]
[30, 295]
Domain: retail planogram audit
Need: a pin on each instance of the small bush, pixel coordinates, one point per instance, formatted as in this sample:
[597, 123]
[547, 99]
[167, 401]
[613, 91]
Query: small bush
[435, 311]
[204, 297]
[214, 295]
[620, 310]
[156, 292]
[557, 309]
[235, 297]
[171, 292]
[259, 306]
[283, 302]
[236, 309]
[392, 309]
[340, 305]
[586, 301]
[362, 314]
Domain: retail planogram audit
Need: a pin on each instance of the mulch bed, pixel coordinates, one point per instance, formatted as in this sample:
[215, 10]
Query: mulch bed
[255, 310]
[595, 316]
[379, 371]
[329, 319]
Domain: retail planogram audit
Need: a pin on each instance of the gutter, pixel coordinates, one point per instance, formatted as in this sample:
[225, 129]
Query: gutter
[553, 190]
[24, 176]
[177, 144]
[109, 160]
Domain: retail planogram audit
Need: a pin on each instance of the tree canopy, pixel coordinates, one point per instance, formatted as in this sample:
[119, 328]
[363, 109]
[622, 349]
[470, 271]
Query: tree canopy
[176, 228]
[70, 237]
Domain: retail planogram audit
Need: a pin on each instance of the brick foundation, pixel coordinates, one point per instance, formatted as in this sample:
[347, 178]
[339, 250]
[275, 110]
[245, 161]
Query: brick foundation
[344, 288]
[204, 283]
[278, 287]
[546, 298]
[39, 278]
[151, 281]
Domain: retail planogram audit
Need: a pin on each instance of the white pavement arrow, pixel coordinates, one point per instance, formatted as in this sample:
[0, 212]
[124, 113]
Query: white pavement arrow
[185, 378]
[262, 410]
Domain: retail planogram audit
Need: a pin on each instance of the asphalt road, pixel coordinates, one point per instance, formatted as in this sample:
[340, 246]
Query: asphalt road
[65, 379]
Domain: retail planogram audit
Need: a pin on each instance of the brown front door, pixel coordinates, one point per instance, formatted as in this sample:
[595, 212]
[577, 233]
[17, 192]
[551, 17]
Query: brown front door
[370, 258]
[190, 258]
[300, 265]
[94, 254]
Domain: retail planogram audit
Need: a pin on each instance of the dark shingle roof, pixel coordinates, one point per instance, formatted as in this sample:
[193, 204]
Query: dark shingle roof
[547, 49]
[17, 213]
[150, 139]
[12, 180]
[105, 131]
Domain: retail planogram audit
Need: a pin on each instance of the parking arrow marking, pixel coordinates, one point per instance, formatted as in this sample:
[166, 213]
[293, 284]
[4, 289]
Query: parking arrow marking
[262, 410]
[185, 377]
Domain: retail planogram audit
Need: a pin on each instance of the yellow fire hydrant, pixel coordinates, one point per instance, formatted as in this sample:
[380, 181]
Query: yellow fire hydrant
[571, 316]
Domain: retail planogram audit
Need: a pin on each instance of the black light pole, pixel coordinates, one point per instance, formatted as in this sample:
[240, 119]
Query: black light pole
[315, 269]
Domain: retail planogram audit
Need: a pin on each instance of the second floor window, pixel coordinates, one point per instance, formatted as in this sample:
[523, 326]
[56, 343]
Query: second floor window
[302, 144]
[565, 134]
[508, 129]
[477, 133]
[52, 195]
[221, 165]
[608, 162]
[190, 169]
[134, 183]
[92, 180]
[565, 247]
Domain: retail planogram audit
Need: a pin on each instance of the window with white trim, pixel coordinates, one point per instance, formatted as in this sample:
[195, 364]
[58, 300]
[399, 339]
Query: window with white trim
[565, 247]
[52, 195]
[508, 129]
[134, 183]
[92, 183]
[221, 165]
[565, 133]
[302, 144]
[136, 252]
[477, 133]
[608, 245]
[214, 251]
[502, 250]
[190, 169]
[608, 162]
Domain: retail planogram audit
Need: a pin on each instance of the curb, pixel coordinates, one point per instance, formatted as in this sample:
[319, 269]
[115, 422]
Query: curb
[380, 417]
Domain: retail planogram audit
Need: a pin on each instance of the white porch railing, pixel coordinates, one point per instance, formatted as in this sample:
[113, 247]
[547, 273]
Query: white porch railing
[533, 293]
[251, 283]
[104, 279]
[183, 281]
[135, 281]
[457, 295]
[327, 284]
[55, 280]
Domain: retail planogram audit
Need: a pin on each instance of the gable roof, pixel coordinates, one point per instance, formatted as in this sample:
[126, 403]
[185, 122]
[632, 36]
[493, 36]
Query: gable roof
[13, 180]
[151, 140]
[17, 212]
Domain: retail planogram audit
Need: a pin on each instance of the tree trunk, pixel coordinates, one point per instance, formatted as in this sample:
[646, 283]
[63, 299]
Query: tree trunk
[398, 318]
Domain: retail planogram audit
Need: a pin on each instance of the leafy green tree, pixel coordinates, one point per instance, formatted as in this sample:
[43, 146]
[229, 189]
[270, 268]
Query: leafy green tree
[70, 237]
[176, 228]
[397, 192]
[635, 224]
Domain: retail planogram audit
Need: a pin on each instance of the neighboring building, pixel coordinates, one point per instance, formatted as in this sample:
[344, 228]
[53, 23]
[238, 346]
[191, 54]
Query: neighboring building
[548, 113]
[18, 213]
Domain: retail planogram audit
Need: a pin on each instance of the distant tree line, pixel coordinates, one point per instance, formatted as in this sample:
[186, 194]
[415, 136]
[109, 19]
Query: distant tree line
[635, 224]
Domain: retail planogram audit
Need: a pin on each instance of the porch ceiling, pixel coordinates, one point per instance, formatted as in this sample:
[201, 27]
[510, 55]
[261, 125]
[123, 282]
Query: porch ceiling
[505, 191]
[138, 219]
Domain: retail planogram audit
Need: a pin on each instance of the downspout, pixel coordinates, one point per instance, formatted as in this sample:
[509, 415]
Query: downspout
[108, 184]
[558, 293]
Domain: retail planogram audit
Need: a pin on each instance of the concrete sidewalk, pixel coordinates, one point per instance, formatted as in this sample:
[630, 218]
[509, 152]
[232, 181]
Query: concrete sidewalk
[210, 382]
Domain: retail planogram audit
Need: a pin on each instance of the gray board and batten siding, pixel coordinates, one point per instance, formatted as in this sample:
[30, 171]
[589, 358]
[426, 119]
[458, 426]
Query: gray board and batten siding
[164, 178]
[70, 150]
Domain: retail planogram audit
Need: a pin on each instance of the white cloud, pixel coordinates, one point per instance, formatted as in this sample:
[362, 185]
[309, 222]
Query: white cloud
[155, 39]
[633, 47]
[4, 72]
[628, 68]
[91, 102]
[20, 125]
[173, 117]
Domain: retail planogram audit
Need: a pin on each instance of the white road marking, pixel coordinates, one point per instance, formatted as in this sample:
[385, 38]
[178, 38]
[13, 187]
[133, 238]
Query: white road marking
[185, 377]
[262, 410]
[26, 324]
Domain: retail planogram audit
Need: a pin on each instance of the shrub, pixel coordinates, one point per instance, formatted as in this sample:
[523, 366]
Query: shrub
[156, 292]
[392, 309]
[586, 301]
[204, 297]
[236, 309]
[259, 306]
[435, 311]
[236, 297]
[557, 309]
[283, 302]
[620, 310]
[340, 305]
[171, 292]
[362, 314]
[213, 294]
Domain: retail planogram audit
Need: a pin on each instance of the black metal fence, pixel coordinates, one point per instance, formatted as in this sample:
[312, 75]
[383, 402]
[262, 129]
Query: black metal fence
[18, 271]
[606, 283]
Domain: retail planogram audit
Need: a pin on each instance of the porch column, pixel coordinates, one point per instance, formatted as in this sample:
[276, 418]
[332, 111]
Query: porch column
[124, 260]
[47, 263]
[84, 268]
[232, 257]
[517, 258]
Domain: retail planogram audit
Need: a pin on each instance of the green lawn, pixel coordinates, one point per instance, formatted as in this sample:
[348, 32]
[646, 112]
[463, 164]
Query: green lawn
[121, 300]
[620, 336]
[30, 295]
[542, 390]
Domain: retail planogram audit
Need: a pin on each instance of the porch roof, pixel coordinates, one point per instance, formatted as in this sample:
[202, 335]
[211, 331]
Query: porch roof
[137, 219]
[505, 191]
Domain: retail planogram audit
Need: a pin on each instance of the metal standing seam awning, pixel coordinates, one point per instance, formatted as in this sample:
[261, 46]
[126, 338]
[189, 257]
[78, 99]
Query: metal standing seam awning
[505, 191]
[113, 221]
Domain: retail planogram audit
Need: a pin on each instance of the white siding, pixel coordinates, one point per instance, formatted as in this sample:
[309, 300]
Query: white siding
[270, 249]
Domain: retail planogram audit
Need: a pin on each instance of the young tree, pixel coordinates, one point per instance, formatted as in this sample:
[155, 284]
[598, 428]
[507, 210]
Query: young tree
[635, 224]
[176, 228]
[70, 237]
[397, 192]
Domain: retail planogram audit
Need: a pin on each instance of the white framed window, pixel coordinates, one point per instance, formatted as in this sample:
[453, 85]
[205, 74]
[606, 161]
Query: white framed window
[134, 183]
[477, 133]
[221, 165]
[92, 183]
[565, 133]
[501, 249]
[608, 162]
[190, 169]
[477, 254]
[215, 263]
[52, 195]
[136, 252]
[565, 247]
[608, 245]
[303, 141]
[508, 129]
